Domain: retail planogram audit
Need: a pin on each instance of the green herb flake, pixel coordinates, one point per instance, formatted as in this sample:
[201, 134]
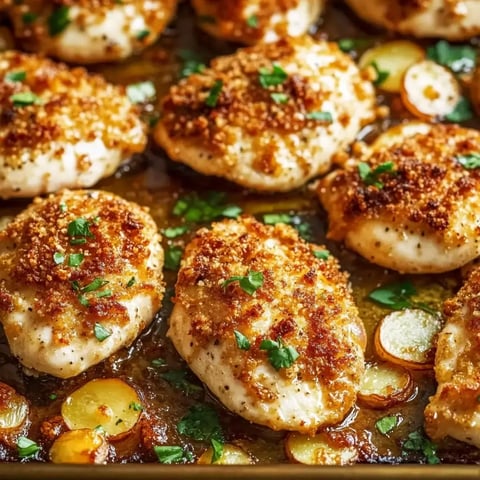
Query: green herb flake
[63, 207]
[418, 442]
[385, 425]
[94, 285]
[173, 257]
[191, 63]
[279, 355]
[53, 396]
[458, 58]
[214, 94]
[461, 113]
[142, 34]
[217, 450]
[201, 423]
[178, 379]
[58, 258]
[470, 161]
[83, 300]
[141, 92]
[242, 341]
[252, 21]
[382, 75]
[59, 20]
[18, 76]
[80, 227]
[274, 218]
[280, 98]
[29, 17]
[169, 454]
[174, 232]
[136, 407]
[321, 254]
[372, 177]
[131, 282]
[23, 99]
[75, 259]
[158, 362]
[26, 448]
[276, 76]
[104, 293]
[249, 283]
[320, 116]
[100, 332]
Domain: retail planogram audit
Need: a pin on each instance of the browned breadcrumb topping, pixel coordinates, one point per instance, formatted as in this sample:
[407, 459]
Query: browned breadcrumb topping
[243, 102]
[72, 106]
[119, 247]
[402, 10]
[426, 187]
[228, 18]
[316, 320]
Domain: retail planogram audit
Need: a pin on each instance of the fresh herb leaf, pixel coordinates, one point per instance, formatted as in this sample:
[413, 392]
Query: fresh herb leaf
[23, 99]
[131, 282]
[319, 116]
[201, 423]
[417, 442]
[94, 285]
[217, 450]
[242, 341]
[142, 34]
[274, 218]
[321, 254]
[192, 63]
[470, 161]
[53, 396]
[136, 407]
[75, 259]
[104, 293]
[178, 379]
[459, 58]
[279, 355]
[372, 177]
[173, 232]
[386, 424]
[280, 98]
[382, 75]
[59, 20]
[158, 362]
[79, 227]
[173, 257]
[141, 92]
[249, 283]
[214, 94]
[276, 76]
[168, 454]
[461, 113]
[58, 258]
[302, 227]
[29, 17]
[26, 448]
[18, 76]
[101, 333]
[349, 44]
[252, 21]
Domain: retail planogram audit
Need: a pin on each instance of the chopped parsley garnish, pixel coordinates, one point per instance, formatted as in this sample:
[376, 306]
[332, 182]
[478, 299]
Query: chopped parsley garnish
[18, 76]
[276, 76]
[141, 92]
[386, 424]
[23, 99]
[382, 75]
[249, 283]
[303, 228]
[58, 258]
[158, 362]
[63, 207]
[279, 97]
[470, 161]
[349, 44]
[372, 177]
[59, 20]
[91, 287]
[173, 232]
[26, 448]
[461, 113]
[320, 116]
[29, 17]
[201, 423]
[417, 442]
[321, 254]
[94, 285]
[214, 94]
[217, 450]
[178, 379]
[191, 63]
[53, 396]
[397, 296]
[75, 259]
[142, 34]
[101, 333]
[168, 454]
[136, 407]
[252, 21]
[458, 58]
[131, 282]
[79, 229]
[173, 257]
[279, 355]
[242, 341]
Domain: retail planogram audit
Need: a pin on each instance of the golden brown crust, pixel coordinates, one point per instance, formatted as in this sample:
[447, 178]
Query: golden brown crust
[426, 187]
[119, 246]
[72, 106]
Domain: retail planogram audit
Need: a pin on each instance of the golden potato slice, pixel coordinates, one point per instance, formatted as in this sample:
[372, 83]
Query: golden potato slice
[326, 448]
[108, 403]
[385, 385]
[392, 58]
[231, 455]
[80, 446]
[430, 91]
[13, 408]
[407, 338]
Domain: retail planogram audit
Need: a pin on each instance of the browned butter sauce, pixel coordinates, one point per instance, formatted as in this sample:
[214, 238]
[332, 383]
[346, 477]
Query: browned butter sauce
[152, 180]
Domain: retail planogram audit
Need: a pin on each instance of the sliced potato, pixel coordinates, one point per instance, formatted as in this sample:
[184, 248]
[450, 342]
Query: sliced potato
[231, 455]
[13, 408]
[393, 58]
[80, 446]
[398, 133]
[326, 448]
[384, 385]
[407, 338]
[109, 403]
[430, 91]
